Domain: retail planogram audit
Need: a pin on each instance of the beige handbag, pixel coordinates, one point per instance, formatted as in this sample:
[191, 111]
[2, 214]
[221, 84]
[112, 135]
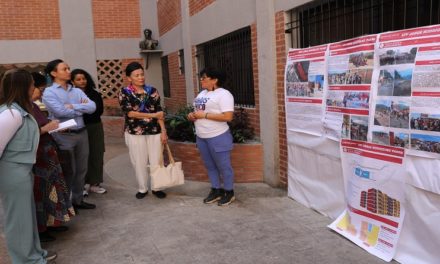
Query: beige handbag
[164, 177]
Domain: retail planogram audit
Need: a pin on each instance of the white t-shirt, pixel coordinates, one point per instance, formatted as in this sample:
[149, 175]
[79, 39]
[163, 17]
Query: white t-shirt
[10, 121]
[216, 102]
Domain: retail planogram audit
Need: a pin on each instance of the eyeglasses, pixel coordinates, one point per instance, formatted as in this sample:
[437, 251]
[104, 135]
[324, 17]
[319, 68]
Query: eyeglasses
[204, 77]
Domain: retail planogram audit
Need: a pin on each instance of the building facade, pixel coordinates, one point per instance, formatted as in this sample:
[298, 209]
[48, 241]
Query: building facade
[249, 38]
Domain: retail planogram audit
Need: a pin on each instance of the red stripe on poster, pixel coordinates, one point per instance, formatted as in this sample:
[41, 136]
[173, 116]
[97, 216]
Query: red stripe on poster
[389, 150]
[422, 49]
[348, 111]
[373, 216]
[429, 62]
[304, 100]
[366, 87]
[373, 155]
[427, 94]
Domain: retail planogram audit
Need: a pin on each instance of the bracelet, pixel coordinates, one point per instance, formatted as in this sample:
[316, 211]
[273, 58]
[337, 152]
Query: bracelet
[206, 116]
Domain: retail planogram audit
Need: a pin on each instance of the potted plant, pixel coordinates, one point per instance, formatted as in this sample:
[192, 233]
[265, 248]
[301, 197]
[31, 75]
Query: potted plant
[246, 156]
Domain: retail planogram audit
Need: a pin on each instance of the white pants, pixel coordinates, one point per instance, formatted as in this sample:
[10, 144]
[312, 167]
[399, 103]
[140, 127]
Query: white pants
[144, 150]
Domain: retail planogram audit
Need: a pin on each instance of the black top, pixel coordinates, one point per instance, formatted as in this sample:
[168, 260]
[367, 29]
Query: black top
[95, 96]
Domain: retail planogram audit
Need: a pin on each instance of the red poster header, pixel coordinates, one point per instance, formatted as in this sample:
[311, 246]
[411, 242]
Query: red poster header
[307, 56]
[371, 39]
[352, 50]
[410, 42]
[421, 49]
[410, 33]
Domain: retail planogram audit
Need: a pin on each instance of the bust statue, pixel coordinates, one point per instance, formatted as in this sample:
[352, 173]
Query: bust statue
[148, 43]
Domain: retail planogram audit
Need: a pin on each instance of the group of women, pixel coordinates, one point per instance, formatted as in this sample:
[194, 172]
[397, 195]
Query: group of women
[27, 150]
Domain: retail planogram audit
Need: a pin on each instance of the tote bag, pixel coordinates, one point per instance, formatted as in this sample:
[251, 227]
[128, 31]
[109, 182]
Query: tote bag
[163, 177]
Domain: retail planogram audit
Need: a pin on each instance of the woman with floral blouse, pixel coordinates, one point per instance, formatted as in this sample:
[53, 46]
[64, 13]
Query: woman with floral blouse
[144, 126]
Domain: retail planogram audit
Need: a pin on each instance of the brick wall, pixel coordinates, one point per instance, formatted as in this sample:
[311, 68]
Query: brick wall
[177, 84]
[169, 15]
[247, 161]
[116, 19]
[196, 6]
[254, 113]
[29, 19]
[281, 62]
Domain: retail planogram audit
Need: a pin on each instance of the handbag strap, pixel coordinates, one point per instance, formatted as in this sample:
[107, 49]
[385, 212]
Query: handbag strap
[170, 155]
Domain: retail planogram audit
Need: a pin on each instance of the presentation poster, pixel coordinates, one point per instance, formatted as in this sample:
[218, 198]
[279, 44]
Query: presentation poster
[407, 105]
[350, 66]
[375, 183]
[304, 86]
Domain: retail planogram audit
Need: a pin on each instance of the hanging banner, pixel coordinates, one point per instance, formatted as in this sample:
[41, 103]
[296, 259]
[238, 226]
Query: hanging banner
[407, 105]
[375, 182]
[350, 66]
[304, 86]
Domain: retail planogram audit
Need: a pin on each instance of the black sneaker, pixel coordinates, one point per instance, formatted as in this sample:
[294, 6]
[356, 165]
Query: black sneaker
[160, 194]
[214, 195]
[227, 198]
[140, 195]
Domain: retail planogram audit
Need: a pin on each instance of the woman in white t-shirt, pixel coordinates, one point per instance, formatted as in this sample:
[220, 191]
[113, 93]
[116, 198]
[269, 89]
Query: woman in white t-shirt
[213, 108]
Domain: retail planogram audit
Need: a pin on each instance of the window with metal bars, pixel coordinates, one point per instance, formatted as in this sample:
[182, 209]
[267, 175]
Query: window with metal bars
[325, 21]
[165, 76]
[233, 54]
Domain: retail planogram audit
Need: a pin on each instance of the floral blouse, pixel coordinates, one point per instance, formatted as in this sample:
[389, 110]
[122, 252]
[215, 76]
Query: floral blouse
[148, 102]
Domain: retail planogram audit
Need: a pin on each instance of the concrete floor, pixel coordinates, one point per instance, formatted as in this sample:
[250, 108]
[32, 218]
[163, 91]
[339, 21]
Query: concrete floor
[262, 226]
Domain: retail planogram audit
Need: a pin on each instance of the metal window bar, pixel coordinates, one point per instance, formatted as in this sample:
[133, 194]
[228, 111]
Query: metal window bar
[233, 54]
[165, 77]
[318, 22]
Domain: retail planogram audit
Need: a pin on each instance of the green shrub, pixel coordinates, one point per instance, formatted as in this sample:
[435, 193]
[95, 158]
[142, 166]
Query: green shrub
[179, 128]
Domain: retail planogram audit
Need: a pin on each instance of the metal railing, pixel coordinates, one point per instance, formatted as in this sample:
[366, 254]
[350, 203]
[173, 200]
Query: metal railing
[325, 21]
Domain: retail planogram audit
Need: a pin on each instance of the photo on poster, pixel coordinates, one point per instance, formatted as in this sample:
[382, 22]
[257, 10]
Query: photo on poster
[335, 98]
[336, 77]
[298, 71]
[361, 60]
[386, 83]
[426, 143]
[359, 128]
[405, 55]
[356, 100]
[382, 113]
[345, 131]
[386, 57]
[399, 116]
[359, 76]
[297, 89]
[316, 86]
[427, 122]
[380, 137]
[398, 139]
[402, 82]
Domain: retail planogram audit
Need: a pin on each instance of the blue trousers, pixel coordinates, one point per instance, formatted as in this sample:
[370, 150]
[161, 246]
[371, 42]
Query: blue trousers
[216, 155]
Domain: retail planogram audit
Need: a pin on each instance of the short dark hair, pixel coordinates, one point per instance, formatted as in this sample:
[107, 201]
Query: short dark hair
[214, 73]
[90, 83]
[52, 66]
[14, 87]
[39, 79]
[131, 67]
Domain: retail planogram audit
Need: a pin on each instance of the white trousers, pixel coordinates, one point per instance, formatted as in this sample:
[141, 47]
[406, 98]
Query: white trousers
[144, 150]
